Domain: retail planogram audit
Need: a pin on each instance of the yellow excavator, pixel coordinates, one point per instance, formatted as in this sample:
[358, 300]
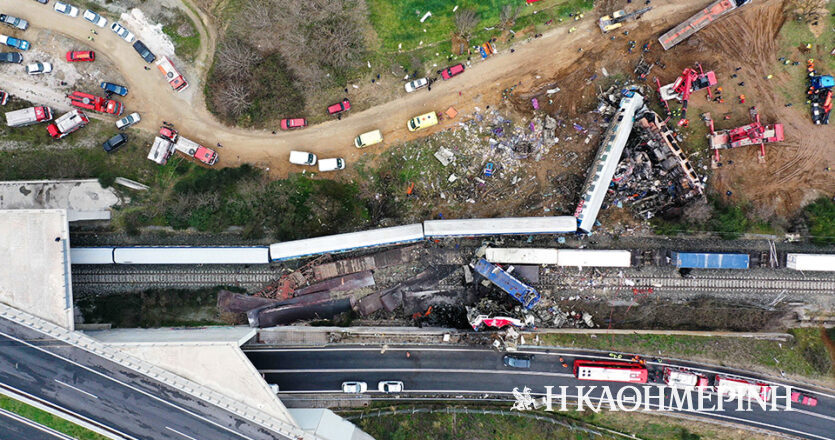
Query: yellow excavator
[611, 22]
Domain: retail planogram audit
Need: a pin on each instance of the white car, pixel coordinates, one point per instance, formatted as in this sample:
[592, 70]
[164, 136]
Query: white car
[66, 9]
[122, 32]
[38, 68]
[302, 158]
[390, 386]
[416, 84]
[95, 18]
[354, 387]
[331, 164]
[128, 120]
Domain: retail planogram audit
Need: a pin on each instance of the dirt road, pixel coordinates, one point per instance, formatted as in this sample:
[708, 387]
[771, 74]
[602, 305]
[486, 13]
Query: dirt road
[480, 86]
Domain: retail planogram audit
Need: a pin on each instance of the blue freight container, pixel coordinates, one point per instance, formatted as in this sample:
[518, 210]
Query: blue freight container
[520, 291]
[710, 261]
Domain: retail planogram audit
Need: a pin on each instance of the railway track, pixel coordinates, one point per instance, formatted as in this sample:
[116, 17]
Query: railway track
[122, 278]
[717, 283]
[126, 278]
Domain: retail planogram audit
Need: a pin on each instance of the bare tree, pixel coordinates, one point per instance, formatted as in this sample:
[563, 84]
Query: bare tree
[235, 58]
[466, 21]
[234, 97]
[508, 16]
[806, 10]
[259, 13]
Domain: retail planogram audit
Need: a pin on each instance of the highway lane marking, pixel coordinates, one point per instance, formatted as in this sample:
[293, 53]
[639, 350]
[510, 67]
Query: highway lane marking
[77, 389]
[36, 425]
[419, 370]
[552, 353]
[126, 385]
[30, 399]
[178, 432]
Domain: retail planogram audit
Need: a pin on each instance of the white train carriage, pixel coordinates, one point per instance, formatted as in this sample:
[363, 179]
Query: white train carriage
[191, 255]
[91, 255]
[811, 262]
[291, 250]
[593, 258]
[499, 226]
[521, 255]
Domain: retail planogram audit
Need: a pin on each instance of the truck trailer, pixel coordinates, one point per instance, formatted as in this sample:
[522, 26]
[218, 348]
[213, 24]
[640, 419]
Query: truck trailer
[28, 116]
[194, 150]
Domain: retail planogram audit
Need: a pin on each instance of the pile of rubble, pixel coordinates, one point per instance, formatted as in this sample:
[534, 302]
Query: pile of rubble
[654, 175]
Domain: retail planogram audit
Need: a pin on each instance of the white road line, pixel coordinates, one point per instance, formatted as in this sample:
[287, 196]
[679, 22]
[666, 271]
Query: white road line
[420, 370]
[54, 409]
[33, 424]
[178, 432]
[77, 389]
[126, 384]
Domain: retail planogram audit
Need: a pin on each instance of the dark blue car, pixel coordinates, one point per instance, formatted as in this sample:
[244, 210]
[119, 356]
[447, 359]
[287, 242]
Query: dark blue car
[114, 88]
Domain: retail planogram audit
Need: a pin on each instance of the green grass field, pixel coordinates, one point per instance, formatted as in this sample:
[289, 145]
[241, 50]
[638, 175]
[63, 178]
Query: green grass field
[398, 21]
[806, 356]
[49, 420]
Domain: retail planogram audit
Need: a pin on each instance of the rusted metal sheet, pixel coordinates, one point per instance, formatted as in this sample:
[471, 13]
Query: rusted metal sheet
[370, 262]
[341, 284]
[237, 303]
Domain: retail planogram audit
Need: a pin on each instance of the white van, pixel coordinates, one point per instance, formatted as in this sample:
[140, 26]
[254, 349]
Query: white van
[370, 138]
[302, 158]
[332, 164]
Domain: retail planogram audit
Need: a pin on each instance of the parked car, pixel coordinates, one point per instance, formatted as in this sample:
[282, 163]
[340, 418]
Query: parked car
[390, 386]
[128, 120]
[122, 32]
[114, 88]
[11, 57]
[43, 2]
[66, 9]
[517, 360]
[95, 18]
[302, 158]
[354, 387]
[291, 123]
[416, 84]
[14, 42]
[38, 68]
[4, 98]
[339, 107]
[370, 138]
[81, 55]
[803, 399]
[331, 164]
[144, 52]
[451, 71]
[14, 22]
[115, 142]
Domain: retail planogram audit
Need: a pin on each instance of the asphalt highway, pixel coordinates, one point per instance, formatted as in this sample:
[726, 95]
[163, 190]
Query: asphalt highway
[15, 427]
[108, 395]
[476, 373]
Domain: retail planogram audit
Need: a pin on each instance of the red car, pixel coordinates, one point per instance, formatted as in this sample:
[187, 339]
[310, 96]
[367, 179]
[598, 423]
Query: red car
[289, 124]
[81, 55]
[4, 98]
[168, 133]
[451, 71]
[339, 107]
[803, 399]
